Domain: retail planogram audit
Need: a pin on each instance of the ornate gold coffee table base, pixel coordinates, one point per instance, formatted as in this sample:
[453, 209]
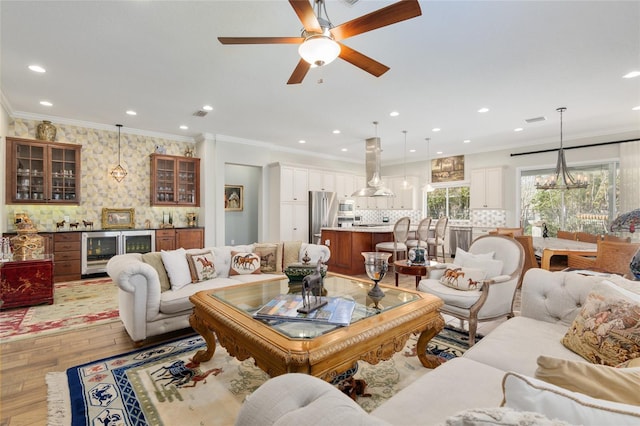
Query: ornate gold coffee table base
[372, 339]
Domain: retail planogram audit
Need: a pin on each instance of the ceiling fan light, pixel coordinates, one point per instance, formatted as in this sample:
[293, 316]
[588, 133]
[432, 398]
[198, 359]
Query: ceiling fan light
[319, 50]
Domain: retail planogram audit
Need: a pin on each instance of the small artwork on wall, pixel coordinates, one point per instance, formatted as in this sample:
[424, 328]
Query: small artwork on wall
[447, 169]
[233, 198]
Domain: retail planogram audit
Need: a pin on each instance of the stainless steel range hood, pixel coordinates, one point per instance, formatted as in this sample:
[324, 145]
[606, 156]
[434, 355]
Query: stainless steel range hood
[375, 187]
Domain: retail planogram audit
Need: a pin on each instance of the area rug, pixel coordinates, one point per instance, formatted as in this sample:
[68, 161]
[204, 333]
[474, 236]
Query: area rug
[161, 386]
[76, 304]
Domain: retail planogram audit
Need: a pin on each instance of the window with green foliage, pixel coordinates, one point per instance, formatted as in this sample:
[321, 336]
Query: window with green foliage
[587, 210]
[452, 202]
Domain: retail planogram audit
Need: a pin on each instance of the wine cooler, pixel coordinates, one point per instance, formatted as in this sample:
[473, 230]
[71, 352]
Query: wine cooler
[100, 246]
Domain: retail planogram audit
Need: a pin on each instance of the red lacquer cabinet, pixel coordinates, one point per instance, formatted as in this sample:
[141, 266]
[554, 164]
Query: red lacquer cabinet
[26, 282]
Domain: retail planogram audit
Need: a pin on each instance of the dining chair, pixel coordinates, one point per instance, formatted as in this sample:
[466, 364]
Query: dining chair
[492, 297]
[587, 237]
[399, 243]
[422, 234]
[530, 259]
[510, 232]
[612, 257]
[609, 237]
[566, 235]
[438, 239]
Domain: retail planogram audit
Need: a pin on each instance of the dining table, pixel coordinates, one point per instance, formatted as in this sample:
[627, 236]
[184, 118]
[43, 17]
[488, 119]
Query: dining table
[546, 248]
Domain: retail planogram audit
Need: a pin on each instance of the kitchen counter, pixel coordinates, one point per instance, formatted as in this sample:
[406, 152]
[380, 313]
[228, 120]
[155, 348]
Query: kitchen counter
[369, 229]
[348, 243]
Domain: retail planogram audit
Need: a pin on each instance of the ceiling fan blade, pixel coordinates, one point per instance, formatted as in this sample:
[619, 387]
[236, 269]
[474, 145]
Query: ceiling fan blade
[260, 40]
[394, 13]
[304, 10]
[300, 72]
[364, 62]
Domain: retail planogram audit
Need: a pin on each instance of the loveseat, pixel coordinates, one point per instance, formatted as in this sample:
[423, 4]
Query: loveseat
[517, 362]
[154, 288]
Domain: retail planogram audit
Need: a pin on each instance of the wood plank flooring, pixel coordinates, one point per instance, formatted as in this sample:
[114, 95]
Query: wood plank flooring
[24, 363]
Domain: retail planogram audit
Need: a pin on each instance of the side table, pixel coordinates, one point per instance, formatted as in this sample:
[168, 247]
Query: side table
[419, 271]
[26, 282]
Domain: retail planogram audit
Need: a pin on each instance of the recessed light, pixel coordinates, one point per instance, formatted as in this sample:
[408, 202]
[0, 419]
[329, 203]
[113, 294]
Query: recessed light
[344, 150]
[412, 150]
[466, 141]
[207, 108]
[483, 110]
[518, 129]
[336, 132]
[636, 108]
[46, 103]
[435, 129]
[439, 152]
[132, 112]
[302, 141]
[183, 127]
[37, 68]
[632, 74]
[394, 113]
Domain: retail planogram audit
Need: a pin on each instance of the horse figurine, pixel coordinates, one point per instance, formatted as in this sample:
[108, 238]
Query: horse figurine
[87, 223]
[59, 225]
[73, 225]
[312, 285]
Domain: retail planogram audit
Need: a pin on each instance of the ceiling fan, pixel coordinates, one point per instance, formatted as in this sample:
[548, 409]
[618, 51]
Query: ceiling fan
[320, 40]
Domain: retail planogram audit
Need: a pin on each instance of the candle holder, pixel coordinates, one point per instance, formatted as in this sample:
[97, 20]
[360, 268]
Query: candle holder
[376, 265]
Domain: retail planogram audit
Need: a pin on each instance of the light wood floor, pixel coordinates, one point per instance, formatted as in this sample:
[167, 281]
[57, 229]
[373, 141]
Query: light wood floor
[24, 363]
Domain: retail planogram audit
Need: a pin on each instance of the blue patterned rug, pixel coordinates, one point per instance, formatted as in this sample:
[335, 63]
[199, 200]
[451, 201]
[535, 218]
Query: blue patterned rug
[161, 386]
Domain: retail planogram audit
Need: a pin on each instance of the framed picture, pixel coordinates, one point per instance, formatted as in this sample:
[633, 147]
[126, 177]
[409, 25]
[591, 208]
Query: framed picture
[118, 218]
[233, 198]
[447, 169]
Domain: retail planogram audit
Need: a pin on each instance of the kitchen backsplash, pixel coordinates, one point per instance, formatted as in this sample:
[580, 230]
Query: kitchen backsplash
[375, 216]
[488, 218]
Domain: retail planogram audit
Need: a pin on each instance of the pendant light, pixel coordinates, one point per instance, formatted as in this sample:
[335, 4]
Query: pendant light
[428, 187]
[562, 179]
[405, 183]
[118, 172]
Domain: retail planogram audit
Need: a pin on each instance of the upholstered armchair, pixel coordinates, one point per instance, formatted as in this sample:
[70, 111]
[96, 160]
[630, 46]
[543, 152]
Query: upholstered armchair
[485, 284]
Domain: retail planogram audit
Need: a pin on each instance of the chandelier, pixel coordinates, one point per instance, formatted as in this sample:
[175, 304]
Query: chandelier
[562, 178]
[118, 172]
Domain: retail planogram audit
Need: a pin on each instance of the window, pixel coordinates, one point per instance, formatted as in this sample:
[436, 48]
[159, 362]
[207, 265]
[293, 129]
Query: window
[452, 202]
[587, 210]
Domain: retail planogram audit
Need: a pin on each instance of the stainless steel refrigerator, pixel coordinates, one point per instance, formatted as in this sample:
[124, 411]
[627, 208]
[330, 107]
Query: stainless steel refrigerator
[323, 212]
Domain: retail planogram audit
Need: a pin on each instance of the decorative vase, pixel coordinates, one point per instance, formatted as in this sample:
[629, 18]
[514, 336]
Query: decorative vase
[27, 244]
[376, 265]
[635, 265]
[46, 131]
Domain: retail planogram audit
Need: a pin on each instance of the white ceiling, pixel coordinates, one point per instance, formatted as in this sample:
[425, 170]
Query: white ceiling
[521, 59]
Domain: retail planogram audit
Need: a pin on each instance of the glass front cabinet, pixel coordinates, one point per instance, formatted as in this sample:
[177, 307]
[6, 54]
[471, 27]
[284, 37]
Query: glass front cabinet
[175, 181]
[42, 172]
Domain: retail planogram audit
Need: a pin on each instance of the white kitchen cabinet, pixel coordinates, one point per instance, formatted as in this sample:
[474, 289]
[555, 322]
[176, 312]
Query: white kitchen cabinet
[486, 188]
[345, 185]
[404, 196]
[294, 184]
[294, 222]
[321, 180]
[361, 202]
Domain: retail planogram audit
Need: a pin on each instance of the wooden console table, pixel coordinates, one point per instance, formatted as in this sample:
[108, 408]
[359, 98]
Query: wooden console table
[26, 282]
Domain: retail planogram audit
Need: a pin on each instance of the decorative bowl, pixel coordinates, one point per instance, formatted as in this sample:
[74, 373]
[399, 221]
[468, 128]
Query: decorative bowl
[296, 272]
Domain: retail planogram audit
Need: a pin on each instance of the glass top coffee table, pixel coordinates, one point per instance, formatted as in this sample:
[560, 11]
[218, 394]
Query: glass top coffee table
[319, 349]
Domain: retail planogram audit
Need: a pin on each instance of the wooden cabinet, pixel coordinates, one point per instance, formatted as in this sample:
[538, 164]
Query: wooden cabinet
[26, 282]
[346, 248]
[66, 252]
[41, 172]
[486, 188]
[189, 238]
[320, 180]
[175, 180]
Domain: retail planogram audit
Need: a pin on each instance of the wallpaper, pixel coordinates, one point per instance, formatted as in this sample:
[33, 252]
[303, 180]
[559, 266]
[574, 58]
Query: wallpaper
[98, 188]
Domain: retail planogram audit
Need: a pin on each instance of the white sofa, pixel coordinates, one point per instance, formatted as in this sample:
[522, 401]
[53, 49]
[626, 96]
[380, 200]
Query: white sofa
[146, 310]
[550, 302]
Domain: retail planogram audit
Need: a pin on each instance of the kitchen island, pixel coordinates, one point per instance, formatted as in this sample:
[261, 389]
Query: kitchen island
[346, 244]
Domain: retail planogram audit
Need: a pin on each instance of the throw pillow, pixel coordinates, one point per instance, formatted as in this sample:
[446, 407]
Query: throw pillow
[492, 267]
[270, 257]
[244, 263]
[598, 381]
[175, 262]
[607, 329]
[201, 266]
[463, 278]
[462, 256]
[528, 394]
[291, 252]
[502, 416]
[154, 259]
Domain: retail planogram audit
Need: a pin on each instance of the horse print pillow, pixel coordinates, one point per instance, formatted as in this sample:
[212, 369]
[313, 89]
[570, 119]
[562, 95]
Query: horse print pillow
[201, 266]
[463, 278]
[270, 257]
[243, 263]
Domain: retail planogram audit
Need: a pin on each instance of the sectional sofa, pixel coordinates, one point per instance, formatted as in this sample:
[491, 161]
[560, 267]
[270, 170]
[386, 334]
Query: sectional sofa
[154, 288]
[522, 364]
